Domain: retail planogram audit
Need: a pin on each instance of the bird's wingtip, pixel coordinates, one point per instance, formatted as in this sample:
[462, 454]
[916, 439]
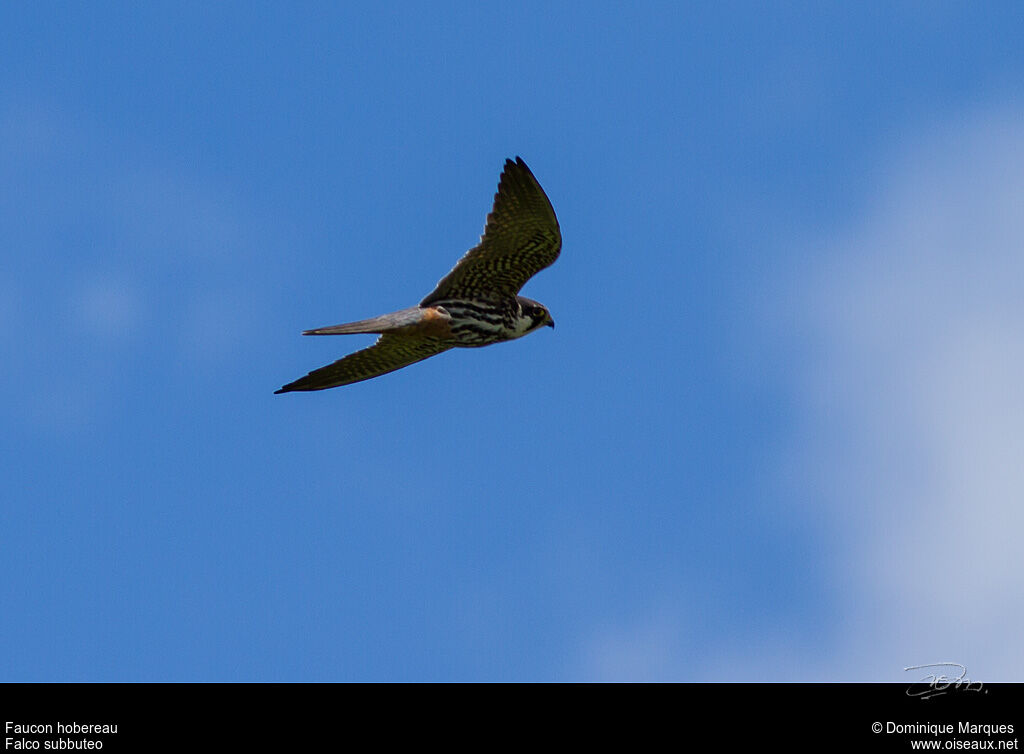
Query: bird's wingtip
[518, 166]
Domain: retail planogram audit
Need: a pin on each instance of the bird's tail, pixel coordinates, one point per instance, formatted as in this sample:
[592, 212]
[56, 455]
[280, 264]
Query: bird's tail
[395, 321]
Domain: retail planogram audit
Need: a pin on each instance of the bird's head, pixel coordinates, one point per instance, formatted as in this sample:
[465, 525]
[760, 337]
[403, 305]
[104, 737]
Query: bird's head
[536, 312]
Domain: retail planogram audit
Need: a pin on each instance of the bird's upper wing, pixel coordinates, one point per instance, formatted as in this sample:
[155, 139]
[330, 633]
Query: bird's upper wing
[389, 353]
[520, 239]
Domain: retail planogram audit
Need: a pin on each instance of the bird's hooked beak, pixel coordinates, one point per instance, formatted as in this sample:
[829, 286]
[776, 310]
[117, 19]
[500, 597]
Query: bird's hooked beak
[551, 322]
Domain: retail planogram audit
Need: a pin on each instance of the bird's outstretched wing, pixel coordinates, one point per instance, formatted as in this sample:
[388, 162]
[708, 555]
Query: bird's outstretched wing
[389, 353]
[520, 239]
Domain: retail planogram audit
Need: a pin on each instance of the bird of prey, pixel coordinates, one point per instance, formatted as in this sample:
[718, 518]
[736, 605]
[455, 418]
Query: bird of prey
[474, 305]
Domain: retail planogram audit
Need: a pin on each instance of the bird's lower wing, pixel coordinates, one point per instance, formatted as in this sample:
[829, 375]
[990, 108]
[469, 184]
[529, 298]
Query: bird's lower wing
[389, 353]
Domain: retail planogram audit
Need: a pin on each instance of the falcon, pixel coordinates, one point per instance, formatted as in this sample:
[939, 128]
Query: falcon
[476, 304]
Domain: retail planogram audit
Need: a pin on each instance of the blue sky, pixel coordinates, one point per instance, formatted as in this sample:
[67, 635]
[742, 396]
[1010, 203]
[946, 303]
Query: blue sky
[775, 435]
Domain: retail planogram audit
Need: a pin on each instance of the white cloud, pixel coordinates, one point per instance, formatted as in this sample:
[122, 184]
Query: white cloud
[910, 439]
[647, 650]
[114, 246]
[915, 411]
[108, 308]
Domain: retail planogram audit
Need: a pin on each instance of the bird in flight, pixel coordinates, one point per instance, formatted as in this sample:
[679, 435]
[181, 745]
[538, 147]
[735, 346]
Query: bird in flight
[474, 305]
